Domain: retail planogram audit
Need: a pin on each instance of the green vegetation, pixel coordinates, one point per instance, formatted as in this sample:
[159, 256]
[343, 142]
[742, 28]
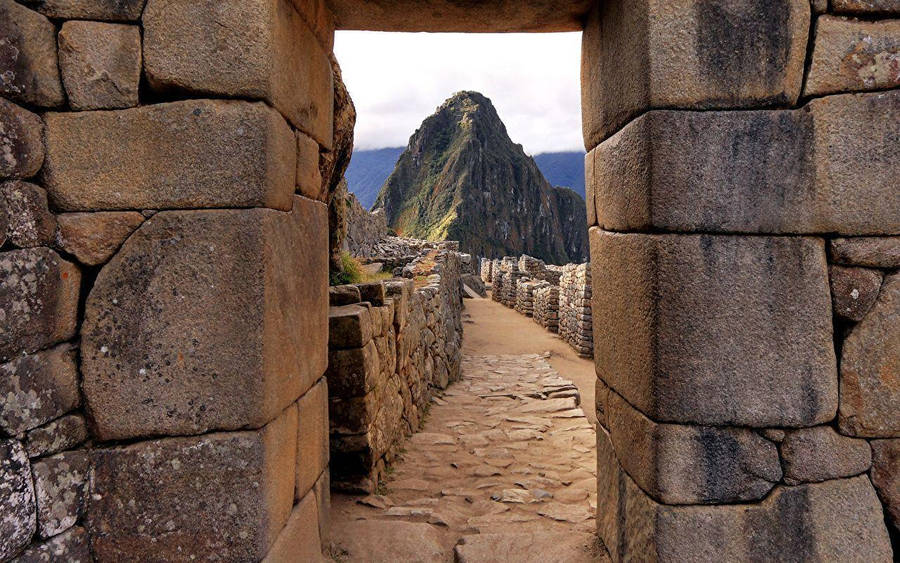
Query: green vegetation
[353, 272]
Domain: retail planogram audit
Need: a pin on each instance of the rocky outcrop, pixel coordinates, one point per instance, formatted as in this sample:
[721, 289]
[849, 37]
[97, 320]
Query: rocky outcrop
[462, 178]
[364, 230]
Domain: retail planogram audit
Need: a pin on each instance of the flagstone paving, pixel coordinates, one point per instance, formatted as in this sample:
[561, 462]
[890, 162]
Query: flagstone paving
[503, 469]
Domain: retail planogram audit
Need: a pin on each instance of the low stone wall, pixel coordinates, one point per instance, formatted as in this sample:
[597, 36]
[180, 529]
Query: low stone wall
[391, 344]
[485, 271]
[546, 307]
[575, 318]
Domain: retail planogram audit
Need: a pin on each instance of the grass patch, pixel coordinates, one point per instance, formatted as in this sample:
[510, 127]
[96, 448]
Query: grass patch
[354, 272]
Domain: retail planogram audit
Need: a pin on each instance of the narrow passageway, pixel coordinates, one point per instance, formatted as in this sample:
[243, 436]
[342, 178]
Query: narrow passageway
[503, 468]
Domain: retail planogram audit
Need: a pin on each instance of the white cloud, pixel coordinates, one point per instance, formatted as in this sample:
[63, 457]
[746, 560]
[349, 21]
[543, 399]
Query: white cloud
[396, 80]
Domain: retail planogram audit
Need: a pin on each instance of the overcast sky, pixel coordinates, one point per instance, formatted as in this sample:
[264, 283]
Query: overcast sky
[396, 80]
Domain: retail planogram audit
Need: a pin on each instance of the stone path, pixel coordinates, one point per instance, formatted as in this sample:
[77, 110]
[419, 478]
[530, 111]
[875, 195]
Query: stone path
[503, 470]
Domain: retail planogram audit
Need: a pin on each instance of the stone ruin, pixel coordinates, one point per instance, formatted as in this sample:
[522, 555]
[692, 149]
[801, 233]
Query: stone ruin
[164, 243]
[391, 345]
[575, 319]
[557, 297]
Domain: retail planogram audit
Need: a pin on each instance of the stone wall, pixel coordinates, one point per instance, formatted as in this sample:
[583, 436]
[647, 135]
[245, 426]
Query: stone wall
[364, 229]
[163, 296]
[743, 210]
[575, 319]
[391, 345]
[546, 307]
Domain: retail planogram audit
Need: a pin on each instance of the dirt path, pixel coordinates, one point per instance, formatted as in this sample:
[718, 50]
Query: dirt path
[502, 470]
[490, 328]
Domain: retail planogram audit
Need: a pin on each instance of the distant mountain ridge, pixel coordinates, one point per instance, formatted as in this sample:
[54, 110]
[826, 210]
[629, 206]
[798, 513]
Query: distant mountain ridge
[462, 178]
[370, 168]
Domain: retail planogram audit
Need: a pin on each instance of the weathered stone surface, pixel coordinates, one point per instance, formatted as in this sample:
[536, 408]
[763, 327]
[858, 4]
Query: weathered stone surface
[28, 67]
[866, 7]
[353, 372]
[17, 511]
[309, 178]
[223, 495]
[60, 484]
[71, 546]
[112, 10]
[853, 291]
[238, 48]
[322, 490]
[819, 453]
[886, 477]
[870, 369]
[349, 326]
[312, 438]
[100, 64]
[830, 521]
[874, 252]
[716, 330]
[299, 540]
[767, 171]
[30, 221]
[677, 464]
[380, 540]
[819, 6]
[339, 295]
[38, 300]
[318, 16]
[62, 434]
[852, 55]
[373, 292]
[188, 154]
[689, 54]
[537, 547]
[444, 15]
[21, 144]
[94, 237]
[37, 389]
[207, 320]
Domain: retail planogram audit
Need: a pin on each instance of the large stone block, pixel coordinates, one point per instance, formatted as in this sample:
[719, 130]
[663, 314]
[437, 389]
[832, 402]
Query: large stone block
[350, 326]
[100, 64]
[18, 521]
[30, 222]
[111, 10]
[870, 369]
[309, 178]
[299, 540]
[188, 154]
[207, 320]
[886, 477]
[715, 330]
[260, 49]
[219, 496]
[38, 300]
[449, 15]
[28, 65]
[853, 55]
[312, 437]
[873, 252]
[353, 372]
[678, 464]
[831, 521]
[685, 54]
[866, 7]
[60, 485]
[21, 141]
[38, 388]
[819, 453]
[767, 171]
[94, 237]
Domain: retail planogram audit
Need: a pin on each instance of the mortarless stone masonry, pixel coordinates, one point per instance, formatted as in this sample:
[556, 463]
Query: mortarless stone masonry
[388, 352]
[710, 332]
